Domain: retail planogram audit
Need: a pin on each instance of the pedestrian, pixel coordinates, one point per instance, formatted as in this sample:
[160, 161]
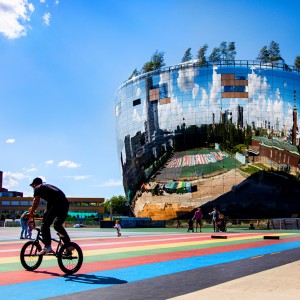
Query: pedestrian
[251, 225]
[118, 228]
[198, 218]
[190, 225]
[56, 212]
[215, 216]
[268, 224]
[24, 224]
[178, 223]
[31, 226]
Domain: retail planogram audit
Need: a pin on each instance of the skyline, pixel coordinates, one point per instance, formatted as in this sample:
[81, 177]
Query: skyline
[61, 71]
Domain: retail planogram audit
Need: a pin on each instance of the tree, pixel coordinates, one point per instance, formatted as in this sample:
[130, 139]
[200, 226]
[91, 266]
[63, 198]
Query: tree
[134, 74]
[215, 55]
[156, 62]
[297, 62]
[187, 55]
[274, 52]
[147, 67]
[118, 204]
[263, 54]
[201, 55]
[224, 50]
[231, 51]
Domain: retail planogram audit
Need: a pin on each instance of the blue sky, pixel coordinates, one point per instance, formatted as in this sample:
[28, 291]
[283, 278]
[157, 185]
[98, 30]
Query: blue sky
[61, 63]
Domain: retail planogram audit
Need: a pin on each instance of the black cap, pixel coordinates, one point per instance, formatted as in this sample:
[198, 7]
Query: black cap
[36, 180]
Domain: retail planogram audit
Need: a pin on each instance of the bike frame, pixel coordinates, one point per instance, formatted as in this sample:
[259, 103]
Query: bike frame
[39, 239]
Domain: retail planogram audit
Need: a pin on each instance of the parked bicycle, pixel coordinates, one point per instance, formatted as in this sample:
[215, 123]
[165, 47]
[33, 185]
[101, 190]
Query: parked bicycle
[69, 261]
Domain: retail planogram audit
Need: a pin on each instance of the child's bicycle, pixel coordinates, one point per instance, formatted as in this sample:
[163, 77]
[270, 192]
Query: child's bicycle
[69, 261]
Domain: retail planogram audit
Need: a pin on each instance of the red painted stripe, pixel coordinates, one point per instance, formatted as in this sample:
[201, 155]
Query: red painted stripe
[50, 272]
[111, 243]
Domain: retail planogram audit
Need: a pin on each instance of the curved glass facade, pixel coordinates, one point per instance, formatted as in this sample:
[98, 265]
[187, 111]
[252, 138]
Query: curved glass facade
[214, 106]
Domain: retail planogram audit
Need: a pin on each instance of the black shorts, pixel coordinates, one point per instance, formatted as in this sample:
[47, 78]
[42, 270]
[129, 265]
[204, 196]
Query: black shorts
[198, 221]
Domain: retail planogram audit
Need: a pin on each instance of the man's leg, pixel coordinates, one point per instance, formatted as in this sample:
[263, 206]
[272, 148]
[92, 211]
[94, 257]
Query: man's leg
[45, 227]
[58, 225]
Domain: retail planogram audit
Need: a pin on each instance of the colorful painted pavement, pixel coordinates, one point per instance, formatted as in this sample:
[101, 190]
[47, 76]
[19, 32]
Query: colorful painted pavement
[197, 159]
[144, 264]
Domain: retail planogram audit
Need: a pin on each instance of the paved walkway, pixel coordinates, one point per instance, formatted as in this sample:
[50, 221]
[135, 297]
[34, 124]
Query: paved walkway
[160, 264]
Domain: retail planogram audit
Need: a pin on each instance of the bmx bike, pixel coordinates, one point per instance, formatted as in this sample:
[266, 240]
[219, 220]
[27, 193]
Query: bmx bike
[68, 261]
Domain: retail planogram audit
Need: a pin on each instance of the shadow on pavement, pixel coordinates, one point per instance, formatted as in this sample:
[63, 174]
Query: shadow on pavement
[93, 279]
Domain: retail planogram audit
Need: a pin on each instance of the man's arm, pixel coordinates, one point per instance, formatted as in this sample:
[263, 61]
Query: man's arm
[35, 204]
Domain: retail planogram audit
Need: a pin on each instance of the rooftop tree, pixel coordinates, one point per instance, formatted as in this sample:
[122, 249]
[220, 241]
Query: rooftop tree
[297, 62]
[187, 55]
[201, 55]
[274, 52]
[271, 54]
[263, 54]
[231, 51]
[215, 55]
[134, 74]
[156, 62]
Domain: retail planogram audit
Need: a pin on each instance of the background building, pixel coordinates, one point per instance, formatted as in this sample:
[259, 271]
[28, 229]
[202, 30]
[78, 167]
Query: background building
[14, 204]
[216, 105]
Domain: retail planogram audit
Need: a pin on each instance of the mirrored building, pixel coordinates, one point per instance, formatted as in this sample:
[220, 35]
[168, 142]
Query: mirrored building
[191, 106]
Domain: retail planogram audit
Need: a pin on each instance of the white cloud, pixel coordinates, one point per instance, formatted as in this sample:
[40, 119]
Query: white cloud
[79, 177]
[49, 162]
[10, 141]
[186, 79]
[46, 18]
[68, 164]
[33, 169]
[11, 179]
[111, 182]
[14, 14]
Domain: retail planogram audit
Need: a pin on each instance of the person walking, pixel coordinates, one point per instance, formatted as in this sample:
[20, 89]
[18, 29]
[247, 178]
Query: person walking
[24, 224]
[118, 228]
[198, 218]
[56, 212]
[215, 216]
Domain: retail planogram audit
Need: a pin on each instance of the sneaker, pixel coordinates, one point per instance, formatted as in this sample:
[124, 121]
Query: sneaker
[69, 251]
[46, 250]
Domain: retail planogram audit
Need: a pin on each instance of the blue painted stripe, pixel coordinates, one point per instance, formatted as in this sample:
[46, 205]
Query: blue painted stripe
[84, 282]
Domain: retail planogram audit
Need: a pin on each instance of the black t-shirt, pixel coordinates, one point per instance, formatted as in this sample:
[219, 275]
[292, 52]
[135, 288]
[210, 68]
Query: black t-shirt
[50, 193]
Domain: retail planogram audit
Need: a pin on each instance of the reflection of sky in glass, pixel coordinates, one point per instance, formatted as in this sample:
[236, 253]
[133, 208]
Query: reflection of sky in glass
[196, 95]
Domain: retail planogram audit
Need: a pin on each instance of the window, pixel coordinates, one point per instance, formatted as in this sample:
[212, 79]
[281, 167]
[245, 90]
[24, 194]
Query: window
[136, 102]
[231, 88]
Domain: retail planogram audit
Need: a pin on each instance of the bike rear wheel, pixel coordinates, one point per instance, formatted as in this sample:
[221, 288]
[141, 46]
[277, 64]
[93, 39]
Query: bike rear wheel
[29, 257]
[70, 262]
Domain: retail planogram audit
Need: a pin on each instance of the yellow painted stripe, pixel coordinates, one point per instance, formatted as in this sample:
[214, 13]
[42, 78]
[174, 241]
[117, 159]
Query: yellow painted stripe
[13, 259]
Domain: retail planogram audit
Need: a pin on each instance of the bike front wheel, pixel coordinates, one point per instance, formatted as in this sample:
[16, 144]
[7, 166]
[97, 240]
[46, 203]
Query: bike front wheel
[29, 257]
[70, 261]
